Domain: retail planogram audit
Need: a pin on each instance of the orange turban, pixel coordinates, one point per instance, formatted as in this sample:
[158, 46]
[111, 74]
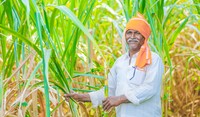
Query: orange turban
[140, 24]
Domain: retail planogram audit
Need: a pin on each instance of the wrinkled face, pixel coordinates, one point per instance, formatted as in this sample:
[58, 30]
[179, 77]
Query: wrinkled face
[134, 39]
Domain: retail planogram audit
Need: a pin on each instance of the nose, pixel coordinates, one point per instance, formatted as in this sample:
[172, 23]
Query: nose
[132, 35]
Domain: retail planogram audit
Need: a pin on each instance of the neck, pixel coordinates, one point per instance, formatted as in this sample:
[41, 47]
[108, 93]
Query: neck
[132, 52]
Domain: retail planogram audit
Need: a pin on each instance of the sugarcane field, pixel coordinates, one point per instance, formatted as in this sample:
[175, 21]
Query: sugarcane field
[100, 58]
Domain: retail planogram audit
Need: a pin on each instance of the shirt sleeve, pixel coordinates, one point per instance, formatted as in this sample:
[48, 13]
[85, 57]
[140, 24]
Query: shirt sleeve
[112, 76]
[98, 96]
[151, 84]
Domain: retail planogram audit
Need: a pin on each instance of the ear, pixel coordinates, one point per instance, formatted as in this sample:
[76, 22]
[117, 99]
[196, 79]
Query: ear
[142, 42]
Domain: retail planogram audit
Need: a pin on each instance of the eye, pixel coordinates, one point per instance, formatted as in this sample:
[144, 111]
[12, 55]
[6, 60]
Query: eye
[137, 33]
[128, 32]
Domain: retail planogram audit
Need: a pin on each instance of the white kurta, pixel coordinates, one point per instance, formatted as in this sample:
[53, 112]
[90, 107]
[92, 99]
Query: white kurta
[143, 90]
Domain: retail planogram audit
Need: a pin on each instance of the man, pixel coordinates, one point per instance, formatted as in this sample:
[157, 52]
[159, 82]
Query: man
[134, 80]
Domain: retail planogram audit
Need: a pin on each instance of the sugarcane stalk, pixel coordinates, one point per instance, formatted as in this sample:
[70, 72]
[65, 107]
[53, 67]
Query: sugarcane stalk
[105, 114]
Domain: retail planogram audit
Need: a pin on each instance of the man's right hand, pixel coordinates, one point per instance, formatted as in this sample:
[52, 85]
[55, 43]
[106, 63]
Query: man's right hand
[78, 97]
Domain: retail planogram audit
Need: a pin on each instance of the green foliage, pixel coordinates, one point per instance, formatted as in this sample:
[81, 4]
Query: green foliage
[50, 47]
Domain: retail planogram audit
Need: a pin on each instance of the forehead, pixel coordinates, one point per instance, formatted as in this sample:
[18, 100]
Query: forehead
[132, 30]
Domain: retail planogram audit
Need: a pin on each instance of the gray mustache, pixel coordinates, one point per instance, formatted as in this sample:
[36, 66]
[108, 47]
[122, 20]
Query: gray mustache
[132, 39]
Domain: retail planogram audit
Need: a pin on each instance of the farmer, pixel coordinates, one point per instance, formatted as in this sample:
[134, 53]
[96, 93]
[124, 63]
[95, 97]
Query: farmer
[134, 80]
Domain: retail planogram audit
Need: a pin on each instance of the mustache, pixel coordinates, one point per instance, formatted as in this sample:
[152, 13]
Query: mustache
[133, 39]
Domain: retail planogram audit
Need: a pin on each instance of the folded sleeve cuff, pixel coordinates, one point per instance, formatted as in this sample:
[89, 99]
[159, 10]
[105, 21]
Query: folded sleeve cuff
[97, 97]
[132, 98]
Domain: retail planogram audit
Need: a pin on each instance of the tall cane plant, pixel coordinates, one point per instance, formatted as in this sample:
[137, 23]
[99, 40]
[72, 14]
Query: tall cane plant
[48, 48]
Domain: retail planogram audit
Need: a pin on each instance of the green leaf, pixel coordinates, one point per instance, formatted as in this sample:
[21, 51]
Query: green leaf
[177, 31]
[89, 75]
[24, 104]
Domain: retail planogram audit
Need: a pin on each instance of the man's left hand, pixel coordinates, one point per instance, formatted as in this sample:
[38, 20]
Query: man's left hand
[111, 101]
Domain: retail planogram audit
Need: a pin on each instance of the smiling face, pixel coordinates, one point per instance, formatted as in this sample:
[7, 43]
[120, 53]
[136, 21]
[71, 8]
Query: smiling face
[134, 40]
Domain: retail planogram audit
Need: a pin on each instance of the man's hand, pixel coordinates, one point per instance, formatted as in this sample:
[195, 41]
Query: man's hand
[113, 101]
[78, 97]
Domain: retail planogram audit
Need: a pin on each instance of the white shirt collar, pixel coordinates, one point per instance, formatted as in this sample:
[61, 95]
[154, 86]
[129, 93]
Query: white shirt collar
[134, 56]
